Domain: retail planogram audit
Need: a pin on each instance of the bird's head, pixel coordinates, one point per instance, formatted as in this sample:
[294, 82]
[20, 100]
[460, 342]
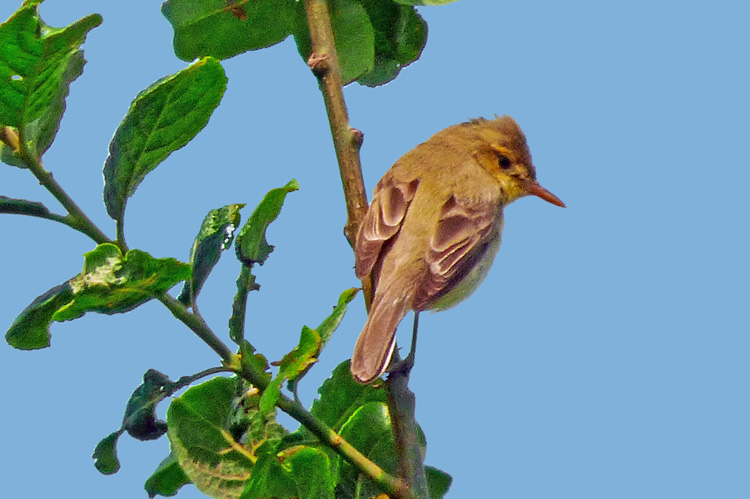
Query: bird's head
[502, 151]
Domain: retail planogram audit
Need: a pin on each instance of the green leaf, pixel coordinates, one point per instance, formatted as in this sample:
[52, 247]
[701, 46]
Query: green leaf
[332, 322]
[251, 425]
[354, 38]
[113, 284]
[245, 284]
[252, 361]
[23, 207]
[214, 433]
[140, 419]
[161, 119]
[425, 2]
[359, 413]
[167, 479]
[37, 65]
[438, 482]
[215, 235]
[251, 245]
[341, 396]
[225, 28]
[400, 37]
[312, 341]
[299, 472]
[105, 454]
[109, 284]
[30, 330]
[210, 456]
[369, 430]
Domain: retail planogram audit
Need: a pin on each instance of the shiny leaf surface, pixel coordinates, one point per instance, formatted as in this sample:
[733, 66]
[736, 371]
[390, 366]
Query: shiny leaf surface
[225, 28]
[161, 119]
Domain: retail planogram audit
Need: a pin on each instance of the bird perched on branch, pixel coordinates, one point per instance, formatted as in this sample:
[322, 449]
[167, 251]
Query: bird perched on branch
[434, 227]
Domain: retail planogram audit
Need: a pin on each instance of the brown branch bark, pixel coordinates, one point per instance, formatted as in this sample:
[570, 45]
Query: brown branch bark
[346, 140]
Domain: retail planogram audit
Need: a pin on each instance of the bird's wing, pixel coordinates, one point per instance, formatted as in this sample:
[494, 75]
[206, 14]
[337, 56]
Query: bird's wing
[465, 229]
[382, 221]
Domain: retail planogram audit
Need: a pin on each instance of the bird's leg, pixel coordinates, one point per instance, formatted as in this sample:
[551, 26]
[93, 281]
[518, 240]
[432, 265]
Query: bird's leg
[405, 366]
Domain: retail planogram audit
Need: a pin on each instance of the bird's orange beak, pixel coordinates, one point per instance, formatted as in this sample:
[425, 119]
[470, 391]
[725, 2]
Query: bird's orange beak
[534, 188]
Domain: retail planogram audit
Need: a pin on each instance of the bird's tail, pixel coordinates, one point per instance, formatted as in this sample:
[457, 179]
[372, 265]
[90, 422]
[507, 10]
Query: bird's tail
[374, 347]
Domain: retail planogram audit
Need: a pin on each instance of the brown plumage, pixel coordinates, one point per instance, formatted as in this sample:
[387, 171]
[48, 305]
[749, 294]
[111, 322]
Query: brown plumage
[434, 227]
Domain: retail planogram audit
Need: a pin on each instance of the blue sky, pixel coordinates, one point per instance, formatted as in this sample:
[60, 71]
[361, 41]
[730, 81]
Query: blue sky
[605, 356]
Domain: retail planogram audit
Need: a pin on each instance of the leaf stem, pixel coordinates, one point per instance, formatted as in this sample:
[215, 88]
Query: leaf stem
[198, 326]
[120, 228]
[184, 381]
[76, 218]
[169, 388]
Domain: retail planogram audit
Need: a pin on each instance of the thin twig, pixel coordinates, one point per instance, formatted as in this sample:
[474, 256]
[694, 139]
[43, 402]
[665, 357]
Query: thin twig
[198, 326]
[184, 381]
[77, 219]
[295, 410]
[120, 224]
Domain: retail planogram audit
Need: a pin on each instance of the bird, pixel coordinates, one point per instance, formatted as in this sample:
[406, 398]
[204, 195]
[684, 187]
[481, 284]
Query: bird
[434, 227]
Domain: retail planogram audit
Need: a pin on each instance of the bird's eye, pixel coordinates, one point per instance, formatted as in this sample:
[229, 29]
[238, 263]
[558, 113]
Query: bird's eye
[503, 161]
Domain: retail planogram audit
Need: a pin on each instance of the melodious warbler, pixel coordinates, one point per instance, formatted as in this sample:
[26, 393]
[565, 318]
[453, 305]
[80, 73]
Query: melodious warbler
[434, 227]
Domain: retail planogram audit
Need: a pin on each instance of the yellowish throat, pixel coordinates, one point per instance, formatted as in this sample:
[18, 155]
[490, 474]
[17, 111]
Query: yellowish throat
[434, 227]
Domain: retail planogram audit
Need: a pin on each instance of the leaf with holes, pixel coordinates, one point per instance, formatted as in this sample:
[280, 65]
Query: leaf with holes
[214, 236]
[37, 65]
[112, 283]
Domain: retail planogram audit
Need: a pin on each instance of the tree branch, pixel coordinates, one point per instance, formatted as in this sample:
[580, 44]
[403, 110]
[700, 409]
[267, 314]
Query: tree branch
[395, 487]
[346, 140]
[198, 326]
[389, 483]
[76, 218]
